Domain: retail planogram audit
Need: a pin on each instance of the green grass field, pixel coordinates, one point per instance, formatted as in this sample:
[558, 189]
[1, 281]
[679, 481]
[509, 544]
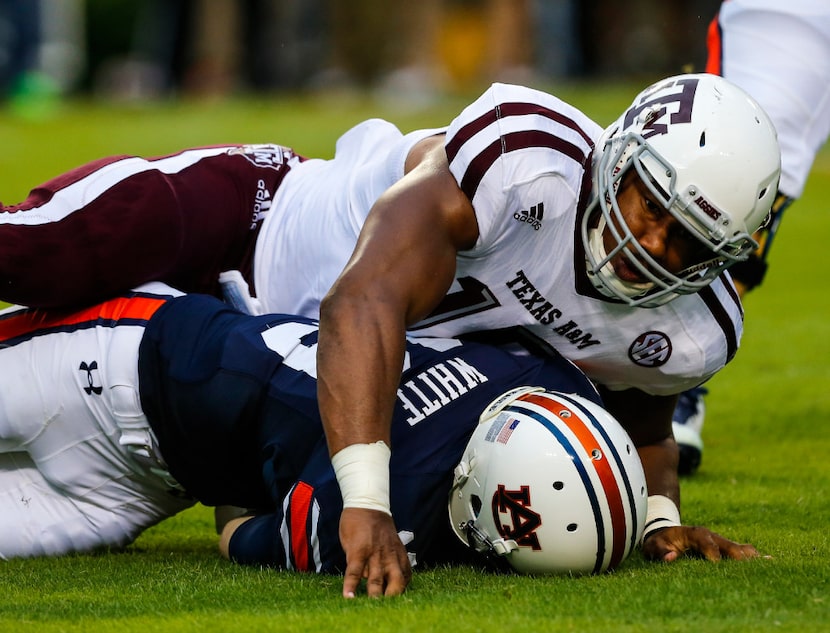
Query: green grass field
[765, 476]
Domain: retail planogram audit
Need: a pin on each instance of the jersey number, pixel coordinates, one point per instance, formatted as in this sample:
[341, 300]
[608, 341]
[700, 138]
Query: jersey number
[473, 297]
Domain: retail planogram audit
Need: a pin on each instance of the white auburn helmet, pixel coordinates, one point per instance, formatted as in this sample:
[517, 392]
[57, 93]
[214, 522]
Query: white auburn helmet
[710, 154]
[551, 482]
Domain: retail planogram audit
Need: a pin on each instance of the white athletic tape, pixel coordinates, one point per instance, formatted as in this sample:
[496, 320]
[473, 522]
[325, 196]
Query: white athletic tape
[662, 512]
[235, 291]
[362, 470]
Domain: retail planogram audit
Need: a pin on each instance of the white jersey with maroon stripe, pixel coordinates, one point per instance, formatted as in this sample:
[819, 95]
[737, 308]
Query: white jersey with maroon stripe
[523, 158]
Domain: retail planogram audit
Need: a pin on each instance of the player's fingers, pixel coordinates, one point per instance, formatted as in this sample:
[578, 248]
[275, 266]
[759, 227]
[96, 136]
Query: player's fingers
[715, 547]
[671, 556]
[351, 579]
[388, 574]
[398, 578]
[666, 545]
[703, 542]
[375, 578]
[736, 551]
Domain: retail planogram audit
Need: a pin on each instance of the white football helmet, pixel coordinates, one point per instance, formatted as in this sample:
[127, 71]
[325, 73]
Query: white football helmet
[710, 155]
[551, 482]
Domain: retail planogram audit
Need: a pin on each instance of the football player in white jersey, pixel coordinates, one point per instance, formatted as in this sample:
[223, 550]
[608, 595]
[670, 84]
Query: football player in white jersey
[494, 225]
[610, 245]
[778, 52]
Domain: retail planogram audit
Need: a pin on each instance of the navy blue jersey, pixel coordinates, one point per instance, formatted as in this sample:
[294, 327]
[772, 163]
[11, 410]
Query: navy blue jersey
[232, 400]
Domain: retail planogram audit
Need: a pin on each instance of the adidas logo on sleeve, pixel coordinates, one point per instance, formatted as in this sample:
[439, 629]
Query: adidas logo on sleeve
[533, 217]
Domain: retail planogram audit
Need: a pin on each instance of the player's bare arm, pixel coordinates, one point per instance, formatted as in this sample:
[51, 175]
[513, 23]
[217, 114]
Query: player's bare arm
[648, 420]
[402, 266]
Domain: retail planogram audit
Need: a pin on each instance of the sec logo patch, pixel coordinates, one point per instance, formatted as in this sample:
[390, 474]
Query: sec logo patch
[650, 349]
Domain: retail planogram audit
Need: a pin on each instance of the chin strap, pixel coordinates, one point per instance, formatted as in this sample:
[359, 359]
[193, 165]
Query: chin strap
[478, 541]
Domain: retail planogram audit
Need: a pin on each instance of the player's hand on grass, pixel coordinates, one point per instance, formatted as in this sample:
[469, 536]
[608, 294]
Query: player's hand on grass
[374, 552]
[671, 543]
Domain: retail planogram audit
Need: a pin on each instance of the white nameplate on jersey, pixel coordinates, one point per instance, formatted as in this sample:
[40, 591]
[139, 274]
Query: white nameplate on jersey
[437, 386]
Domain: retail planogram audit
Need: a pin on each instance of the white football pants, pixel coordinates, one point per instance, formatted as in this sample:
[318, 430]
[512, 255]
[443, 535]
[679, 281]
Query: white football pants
[779, 52]
[78, 470]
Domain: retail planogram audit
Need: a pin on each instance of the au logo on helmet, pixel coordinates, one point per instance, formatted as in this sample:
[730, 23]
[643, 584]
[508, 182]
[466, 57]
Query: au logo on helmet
[523, 520]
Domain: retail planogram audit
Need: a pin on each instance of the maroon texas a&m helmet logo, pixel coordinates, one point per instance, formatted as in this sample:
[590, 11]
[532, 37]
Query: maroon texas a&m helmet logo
[668, 103]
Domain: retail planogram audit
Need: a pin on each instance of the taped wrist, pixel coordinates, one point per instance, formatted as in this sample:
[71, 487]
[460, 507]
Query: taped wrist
[662, 513]
[362, 471]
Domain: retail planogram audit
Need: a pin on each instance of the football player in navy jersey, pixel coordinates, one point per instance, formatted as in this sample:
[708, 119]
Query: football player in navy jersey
[608, 244]
[118, 415]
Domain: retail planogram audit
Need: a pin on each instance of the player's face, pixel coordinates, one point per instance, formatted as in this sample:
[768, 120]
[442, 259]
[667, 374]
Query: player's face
[656, 230]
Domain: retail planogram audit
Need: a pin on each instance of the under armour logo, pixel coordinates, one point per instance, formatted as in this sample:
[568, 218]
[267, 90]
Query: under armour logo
[523, 521]
[92, 377]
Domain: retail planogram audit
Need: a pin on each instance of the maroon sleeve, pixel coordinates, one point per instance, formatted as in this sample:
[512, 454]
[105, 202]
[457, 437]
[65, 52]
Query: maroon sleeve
[118, 222]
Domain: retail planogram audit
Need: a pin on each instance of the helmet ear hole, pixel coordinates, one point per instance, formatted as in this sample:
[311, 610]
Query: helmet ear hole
[475, 503]
[558, 485]
[572, 527]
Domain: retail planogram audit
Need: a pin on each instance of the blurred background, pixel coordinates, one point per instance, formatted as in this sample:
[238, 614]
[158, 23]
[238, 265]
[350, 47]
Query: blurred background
[136, 50]
[82, 79]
